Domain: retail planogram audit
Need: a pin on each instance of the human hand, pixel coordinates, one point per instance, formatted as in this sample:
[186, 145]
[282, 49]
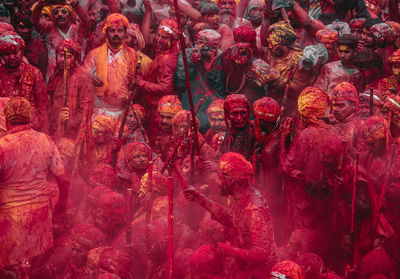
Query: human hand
[64, 115]
[192, 194]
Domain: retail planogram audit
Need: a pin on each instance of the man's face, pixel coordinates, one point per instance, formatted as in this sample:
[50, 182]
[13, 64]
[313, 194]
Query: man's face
[342, 109]
[239, 117]
[346, 54]
[166, 121]
[60, 60]
[132, 121]
[162, 41]
[132, 42]
[24, 32]
[367, 38]
[180, 128]
[224, 184]
[139, 161]
[227, 7]
[217, 121]
[357, 32]
[208, 52]
[396, 70]
[100, 136]
[364, 111]
[276, 49]
[116, 35]
[212, 20]
[62, 16]
[256, 15]
[267, 125]
[12, 59]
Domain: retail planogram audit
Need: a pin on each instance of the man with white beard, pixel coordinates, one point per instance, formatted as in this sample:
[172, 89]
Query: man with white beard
[228, 14]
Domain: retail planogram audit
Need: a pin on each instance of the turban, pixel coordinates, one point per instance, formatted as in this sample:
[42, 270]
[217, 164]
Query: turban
[139, 110]
[117, 19]
[235, 166]
[394, 25]
[169, 104]
[104, 174]
[262, 73]
[357, 23]
[346, 91]
[311, 54]
[87, 236]
[374, 129]
[236, 101]
[312, 264]
[367, 58]
[239, 53]
[70, 45]
[112, 206]
[281, 33]
[253, 4]
[18, 111]
[5, 27]
[395, 57]
[216, 106]
[348, 40]
[382, 32]
[245, 34]
[327, 36]
[208, 37]
[341, 27]
[158, 185]
[126, 154]
[169, 27]
[205, 261]
[132, 148]
[10, 41]
[133, 30]
[105, 123]
[312, 103]
[110, 260]
[267, 109]
[289, 269]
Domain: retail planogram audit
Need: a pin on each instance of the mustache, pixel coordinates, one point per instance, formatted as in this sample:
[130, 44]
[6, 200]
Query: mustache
[227, 11]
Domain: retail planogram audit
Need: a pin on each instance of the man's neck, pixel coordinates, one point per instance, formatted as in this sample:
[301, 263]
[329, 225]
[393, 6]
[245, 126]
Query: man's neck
[64, 28]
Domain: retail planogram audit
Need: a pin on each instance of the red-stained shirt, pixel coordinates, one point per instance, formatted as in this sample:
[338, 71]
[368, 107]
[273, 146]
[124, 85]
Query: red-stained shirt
[27, 81]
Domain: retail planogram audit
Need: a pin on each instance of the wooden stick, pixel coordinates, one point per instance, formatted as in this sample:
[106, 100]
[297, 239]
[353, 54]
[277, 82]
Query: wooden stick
[170, 228]
[128, 234]
[353, 201]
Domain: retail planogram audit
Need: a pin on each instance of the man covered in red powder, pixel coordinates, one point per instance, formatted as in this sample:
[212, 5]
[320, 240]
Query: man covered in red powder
[79, 87]
[240, 137]
[391, 84]
[159, 79]
[19, 78]
[26, 156]
[301, 164]
[252, 252]
[345, 109]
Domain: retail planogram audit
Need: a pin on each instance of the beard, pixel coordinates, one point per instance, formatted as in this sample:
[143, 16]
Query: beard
[227, 17]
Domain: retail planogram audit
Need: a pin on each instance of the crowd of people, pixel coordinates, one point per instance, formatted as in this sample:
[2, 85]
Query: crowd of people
[200, 139]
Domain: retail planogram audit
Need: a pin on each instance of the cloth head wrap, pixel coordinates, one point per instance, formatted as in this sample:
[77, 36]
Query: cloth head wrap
[235, 101]
[378, 98]
[11, 41]
[393, 103]
[357, 23]
[169, 27]
[348, 40]
[208, 37]
[346, 91]
[267, 109]
[238, 53]
[281, 33]
[87, 236]
[183, 116]
[382, 32]
[72, 46]
[235, 166]
[327, 36]
[133, 30]
[374, 129]
[104, 174]
[262, 73]
[139, 110]
[253, 4]
[216, 106]
[18, 111]
[289, 269]
[312, 103]
[311, 54]
[132, 148]
[245, 34]
[395, 26]
[395, 57]
[115, 19]
[169, 104]
[341, 27]
[110, 260]
[112, 206]
[104, 123]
